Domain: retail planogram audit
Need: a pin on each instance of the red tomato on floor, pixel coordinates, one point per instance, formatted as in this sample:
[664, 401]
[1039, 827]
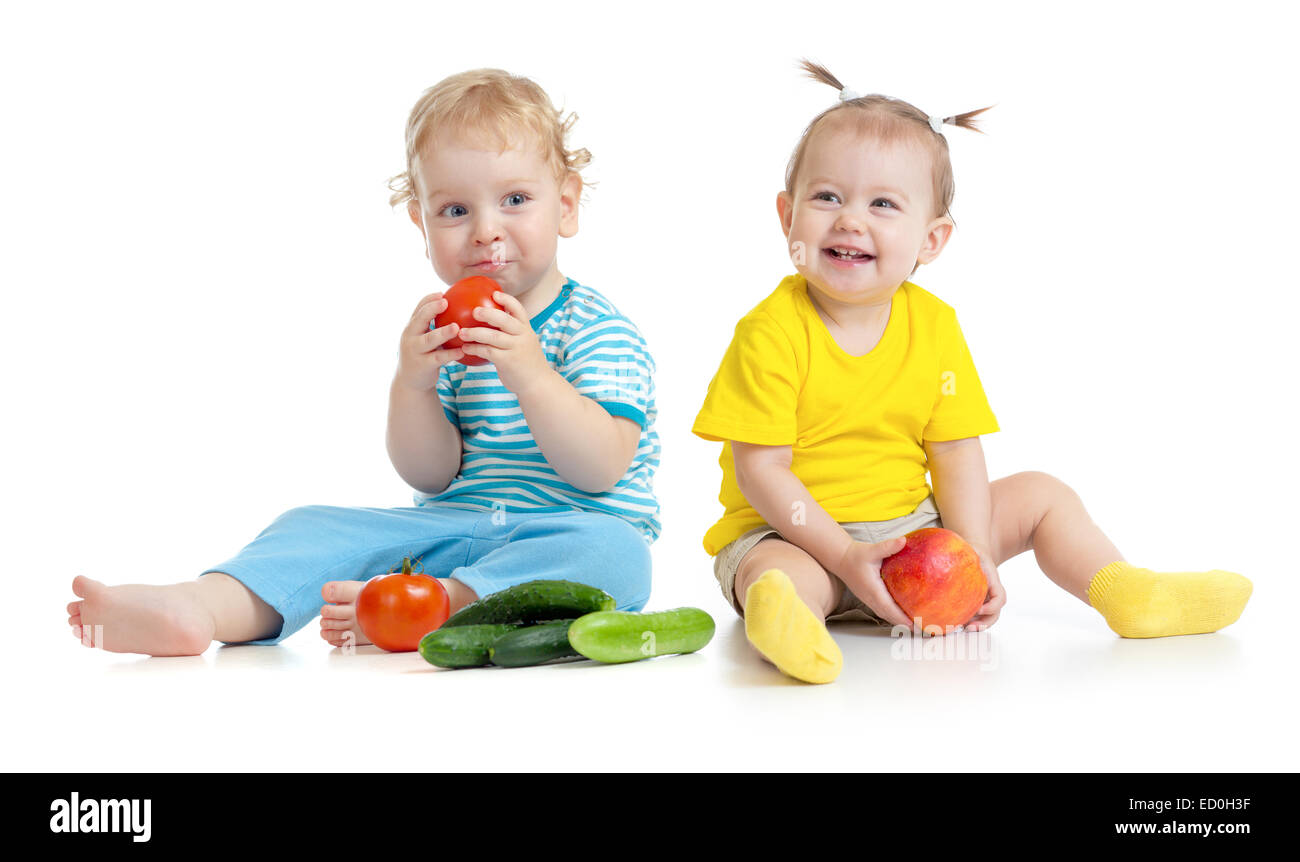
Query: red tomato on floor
[462, 298]
[395, 611]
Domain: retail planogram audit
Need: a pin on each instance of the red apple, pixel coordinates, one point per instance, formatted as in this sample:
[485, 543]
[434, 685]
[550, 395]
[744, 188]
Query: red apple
[936, 577]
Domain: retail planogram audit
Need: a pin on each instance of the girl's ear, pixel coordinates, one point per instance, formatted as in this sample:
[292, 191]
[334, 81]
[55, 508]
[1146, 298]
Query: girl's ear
[785, 209]
[570, 195]
[935, 239]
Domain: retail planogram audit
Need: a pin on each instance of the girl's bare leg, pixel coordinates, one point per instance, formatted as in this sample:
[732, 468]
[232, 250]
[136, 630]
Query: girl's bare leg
[1038, 511]
[787, 595]
[1035, 510]
[820, 592]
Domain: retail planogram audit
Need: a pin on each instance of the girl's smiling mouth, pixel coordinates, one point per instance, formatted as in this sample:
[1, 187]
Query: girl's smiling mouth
[843, 255]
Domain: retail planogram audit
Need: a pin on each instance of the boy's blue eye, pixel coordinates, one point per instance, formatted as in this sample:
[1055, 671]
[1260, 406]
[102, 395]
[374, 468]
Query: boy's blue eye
[516, 200]
[453, 211]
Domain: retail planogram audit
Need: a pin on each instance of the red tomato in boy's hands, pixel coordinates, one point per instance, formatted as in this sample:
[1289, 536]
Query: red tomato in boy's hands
[462, 298]
[395, 611]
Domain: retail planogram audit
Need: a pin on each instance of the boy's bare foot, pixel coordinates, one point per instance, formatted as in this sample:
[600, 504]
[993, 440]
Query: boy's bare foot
[338, 620]
[140, 618]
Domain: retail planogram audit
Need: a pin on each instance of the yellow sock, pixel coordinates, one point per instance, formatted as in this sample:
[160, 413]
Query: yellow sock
[1140, 603]
[782, 627]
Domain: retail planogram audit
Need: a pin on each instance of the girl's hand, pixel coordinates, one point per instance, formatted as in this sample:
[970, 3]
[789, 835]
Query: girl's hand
[859, 568]
[987, 615]
[421, 354]
[512, 346]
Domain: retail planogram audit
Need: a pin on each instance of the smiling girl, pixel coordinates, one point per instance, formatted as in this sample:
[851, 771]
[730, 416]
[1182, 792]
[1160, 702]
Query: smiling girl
[849, 382]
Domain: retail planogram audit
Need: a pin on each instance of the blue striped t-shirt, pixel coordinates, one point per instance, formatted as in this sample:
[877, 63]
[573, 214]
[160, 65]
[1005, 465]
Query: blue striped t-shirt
[603, 356]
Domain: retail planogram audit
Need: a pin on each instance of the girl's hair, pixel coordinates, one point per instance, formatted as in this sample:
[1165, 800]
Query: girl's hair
[888, 121]
[492, 105]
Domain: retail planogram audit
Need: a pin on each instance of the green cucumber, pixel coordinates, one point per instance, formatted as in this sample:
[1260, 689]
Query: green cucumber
[619, 636]
[533, 602]
[463, 646]
[533, 645]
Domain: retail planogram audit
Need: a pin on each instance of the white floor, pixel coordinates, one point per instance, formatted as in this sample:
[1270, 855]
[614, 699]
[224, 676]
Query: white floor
[1048, 688]
[208, 335]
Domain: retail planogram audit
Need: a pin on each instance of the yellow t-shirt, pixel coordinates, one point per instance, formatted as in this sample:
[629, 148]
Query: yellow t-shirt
[855, 424]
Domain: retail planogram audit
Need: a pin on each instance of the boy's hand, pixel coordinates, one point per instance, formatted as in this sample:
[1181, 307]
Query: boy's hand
[512, 347]
[987, 615]
[422, 355]
[859, 568]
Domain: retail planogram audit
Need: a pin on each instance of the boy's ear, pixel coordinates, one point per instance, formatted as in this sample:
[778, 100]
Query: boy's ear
[935, 239]
[570, 195]
[413, 210]
[785, 209]
[417, 216]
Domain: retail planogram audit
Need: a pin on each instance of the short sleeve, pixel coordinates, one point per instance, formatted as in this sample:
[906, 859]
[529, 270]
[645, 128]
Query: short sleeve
[754, 396]
[447, 395]
[960, 406]
[608, 362]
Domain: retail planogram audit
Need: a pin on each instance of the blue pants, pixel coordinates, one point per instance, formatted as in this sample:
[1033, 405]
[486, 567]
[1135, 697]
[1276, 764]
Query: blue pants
[304, 548]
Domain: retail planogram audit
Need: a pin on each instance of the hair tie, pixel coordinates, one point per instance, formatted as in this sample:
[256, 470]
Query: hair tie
[847, 95]
[936, 123]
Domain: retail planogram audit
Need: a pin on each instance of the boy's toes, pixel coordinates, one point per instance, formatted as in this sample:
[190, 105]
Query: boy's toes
[338, 612]
[74, 618]
[85, 587]
[84, 634]
[338, 626]
[341, 591]
[339, 637]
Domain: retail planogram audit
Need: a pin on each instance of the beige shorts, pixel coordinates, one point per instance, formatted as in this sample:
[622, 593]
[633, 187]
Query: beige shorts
[850, 607]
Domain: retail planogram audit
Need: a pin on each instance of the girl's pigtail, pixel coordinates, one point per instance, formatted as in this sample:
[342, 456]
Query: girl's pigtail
[966, 120]
[818, 72]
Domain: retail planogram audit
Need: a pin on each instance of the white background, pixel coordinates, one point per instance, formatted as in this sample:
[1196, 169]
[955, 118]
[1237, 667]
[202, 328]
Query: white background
[204, 287]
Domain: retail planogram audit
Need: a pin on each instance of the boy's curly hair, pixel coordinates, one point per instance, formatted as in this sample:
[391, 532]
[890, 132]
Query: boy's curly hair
[491, 105]
[889, 121]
